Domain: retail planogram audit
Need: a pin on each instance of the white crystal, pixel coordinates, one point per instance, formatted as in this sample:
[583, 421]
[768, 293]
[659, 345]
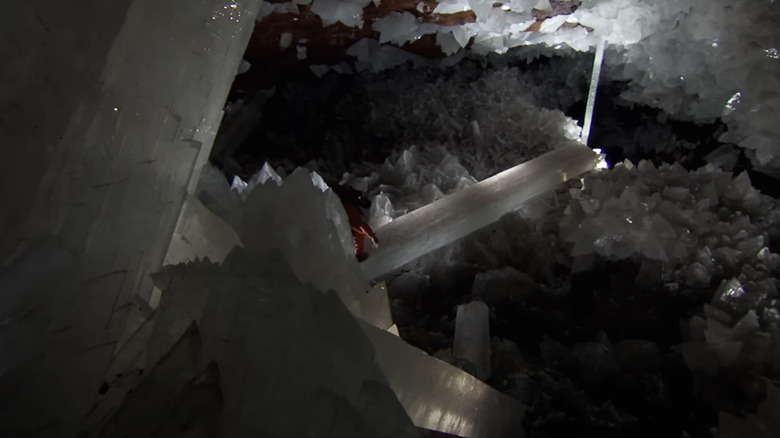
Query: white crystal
[461, 213]
[397, 28]
[349, 12]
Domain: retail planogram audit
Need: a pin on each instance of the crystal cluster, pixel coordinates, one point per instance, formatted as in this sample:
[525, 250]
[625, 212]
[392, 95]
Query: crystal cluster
[695, 59]
[706, 60]
[494, 120]
[711, 233]
[410, 180]
[703, 224]
[292, 231]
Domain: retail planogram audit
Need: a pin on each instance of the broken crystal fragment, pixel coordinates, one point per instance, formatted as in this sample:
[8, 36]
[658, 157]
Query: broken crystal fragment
[438, 396]
[375, 307]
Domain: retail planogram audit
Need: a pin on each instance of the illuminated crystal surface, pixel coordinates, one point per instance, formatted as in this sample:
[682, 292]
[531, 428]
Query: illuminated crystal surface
[468, 210]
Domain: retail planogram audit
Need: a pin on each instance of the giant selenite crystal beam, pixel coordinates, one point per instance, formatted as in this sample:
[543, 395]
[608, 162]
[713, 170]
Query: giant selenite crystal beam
[438, 396]
[455, 216]
[139, 94]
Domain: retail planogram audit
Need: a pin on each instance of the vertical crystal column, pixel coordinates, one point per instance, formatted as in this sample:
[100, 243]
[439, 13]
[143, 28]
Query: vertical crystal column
[594, 85]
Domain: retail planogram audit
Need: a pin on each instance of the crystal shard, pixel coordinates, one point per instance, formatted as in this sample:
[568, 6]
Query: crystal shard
[472, 337]
[375, 307]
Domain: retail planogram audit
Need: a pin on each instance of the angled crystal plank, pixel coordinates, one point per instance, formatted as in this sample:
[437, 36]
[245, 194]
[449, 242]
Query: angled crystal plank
[455, 216]
[438, 396]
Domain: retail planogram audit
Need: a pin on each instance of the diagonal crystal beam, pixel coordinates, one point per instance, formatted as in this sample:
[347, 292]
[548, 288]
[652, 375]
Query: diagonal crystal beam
[437, 396]
[448, 219]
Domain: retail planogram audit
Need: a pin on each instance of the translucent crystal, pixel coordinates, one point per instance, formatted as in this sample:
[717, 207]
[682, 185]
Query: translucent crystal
[329, 374]
[729, 296]
[438, 396]
[397, 28]
[349, 12]
[461, 213]
[381, 212]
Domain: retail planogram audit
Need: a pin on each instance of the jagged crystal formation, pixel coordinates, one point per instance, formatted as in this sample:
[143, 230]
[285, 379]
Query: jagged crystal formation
[322, 369]
[704, 236]
[201, 234]
[307, 235]
[468, 210]
[719, 70]
[699, 222]
[500, 119]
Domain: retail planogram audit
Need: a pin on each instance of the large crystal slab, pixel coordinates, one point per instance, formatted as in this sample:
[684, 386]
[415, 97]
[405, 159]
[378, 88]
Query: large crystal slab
[468, 210]
[472, 337]
[438, 396]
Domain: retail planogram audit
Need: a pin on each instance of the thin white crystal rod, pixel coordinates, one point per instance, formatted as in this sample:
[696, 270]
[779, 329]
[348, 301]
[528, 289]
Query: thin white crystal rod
[594, 85]
[450, 218]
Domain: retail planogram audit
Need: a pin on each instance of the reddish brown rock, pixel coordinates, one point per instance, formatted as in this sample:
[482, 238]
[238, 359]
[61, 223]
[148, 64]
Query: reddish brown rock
[327, 44]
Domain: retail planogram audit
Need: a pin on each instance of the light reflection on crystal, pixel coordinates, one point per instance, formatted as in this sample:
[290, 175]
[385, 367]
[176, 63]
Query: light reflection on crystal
[732, 103]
